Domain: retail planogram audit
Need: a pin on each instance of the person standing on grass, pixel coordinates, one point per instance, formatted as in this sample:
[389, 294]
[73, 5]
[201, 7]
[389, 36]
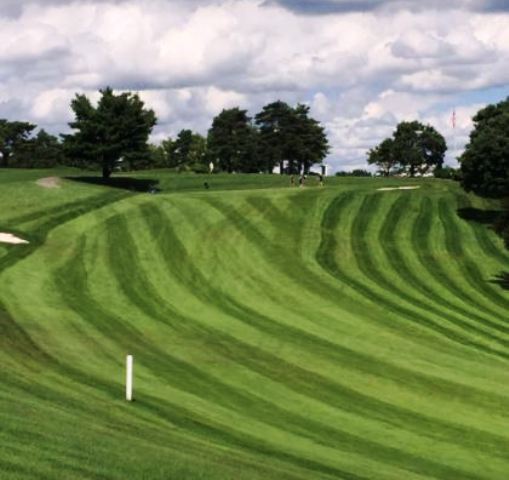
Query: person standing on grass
[320, 180]
[292, 181]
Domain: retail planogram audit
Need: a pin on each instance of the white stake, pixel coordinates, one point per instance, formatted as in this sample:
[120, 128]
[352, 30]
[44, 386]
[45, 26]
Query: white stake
[129, 379]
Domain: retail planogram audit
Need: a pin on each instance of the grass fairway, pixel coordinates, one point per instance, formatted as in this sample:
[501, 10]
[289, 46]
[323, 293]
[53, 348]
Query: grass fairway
[278, 333]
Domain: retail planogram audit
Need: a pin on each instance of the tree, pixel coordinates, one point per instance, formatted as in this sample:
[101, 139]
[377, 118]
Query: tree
[42, 151]
[485, 161]
[188, 149]
[447, 173]
[181, 147]
[289, 134]
[47, 149]
[383, 157]
[232, 142]
[197, 156]
[116, 130]
[413, 148]
[158, 157]
[12, 136]
[418, 148]
[162, 155]
[275, 126]
[357, 172]
[310, 142]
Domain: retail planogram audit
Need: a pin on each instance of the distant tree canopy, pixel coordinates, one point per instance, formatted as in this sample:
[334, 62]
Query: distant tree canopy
[116, 130]
[358, 172]
[274, 124]
[279, 136]
[188, 149]
[160, 154]
[232, 142]
[113, 134]
[447, 173]
[13, 137]
[158, 157]
[485, 162]
[42, 151]
[20, 148]
[289, 135]
[384, 157]
[187, 152]
[414, 148]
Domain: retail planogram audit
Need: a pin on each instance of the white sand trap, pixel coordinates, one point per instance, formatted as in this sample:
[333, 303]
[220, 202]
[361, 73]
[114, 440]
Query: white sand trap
[10, 238]
[49, 182]
[386, 189]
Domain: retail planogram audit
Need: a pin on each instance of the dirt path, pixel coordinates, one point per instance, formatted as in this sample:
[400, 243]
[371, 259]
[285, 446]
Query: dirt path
[49, 182]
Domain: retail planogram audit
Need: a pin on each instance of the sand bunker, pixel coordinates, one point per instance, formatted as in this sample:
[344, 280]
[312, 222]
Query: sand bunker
[49, 182]
[10, 238]
[386, 189]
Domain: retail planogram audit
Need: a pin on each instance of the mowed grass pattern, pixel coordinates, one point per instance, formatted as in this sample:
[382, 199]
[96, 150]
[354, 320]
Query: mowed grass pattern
[278, 333]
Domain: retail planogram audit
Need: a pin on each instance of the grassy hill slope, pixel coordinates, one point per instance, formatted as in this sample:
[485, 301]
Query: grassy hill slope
[278, 333]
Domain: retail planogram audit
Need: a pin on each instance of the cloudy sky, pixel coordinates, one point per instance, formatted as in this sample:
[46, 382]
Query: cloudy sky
[362, 65]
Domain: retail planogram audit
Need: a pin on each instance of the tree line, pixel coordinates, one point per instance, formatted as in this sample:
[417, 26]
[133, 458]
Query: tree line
[19, 147]
[485, 161]
[114, 135]
[415, 148]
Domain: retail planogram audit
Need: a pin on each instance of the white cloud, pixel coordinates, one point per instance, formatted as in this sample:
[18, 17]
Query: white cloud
[52, 106]
[217, 99]
[361, 69]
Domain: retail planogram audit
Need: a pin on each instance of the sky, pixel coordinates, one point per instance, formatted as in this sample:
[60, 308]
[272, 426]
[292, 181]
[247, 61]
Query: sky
[362, 66]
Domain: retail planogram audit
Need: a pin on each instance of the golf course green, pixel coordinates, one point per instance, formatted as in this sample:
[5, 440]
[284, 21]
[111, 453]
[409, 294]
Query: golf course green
[343, 332]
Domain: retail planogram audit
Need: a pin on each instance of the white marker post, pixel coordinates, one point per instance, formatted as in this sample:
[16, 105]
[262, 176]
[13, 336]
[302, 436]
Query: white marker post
[129, 379]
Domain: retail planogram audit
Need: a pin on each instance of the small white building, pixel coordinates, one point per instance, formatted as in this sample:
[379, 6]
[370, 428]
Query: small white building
[321, 169]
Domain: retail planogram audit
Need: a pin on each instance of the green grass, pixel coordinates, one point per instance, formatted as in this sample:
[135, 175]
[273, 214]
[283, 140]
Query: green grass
[278, 333]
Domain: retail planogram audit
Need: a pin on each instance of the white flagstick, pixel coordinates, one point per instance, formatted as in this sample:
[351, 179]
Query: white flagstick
[455, 137]
[129, 379]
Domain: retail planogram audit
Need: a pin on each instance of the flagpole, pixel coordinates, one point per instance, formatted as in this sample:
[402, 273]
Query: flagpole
[454, 136]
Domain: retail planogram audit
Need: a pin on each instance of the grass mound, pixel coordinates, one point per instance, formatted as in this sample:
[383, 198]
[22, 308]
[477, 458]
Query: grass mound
[278, 333]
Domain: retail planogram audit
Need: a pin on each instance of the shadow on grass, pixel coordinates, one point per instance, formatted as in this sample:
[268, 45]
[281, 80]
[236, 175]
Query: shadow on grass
[146, 185]
[502, 279]
[487, 217]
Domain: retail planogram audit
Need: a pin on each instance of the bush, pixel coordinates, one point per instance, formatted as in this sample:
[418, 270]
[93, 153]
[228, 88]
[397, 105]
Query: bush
[447, 173]
[199, 168]
[354, 173]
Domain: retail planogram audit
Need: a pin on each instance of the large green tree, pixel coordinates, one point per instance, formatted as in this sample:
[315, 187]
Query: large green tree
[276, 132]
[187, 150]
[13, 135]
[290, 135]
[418, 148]
[383, 157]
[232, 142]
[117, 129]
[485, 162]
[157, 156]
[413, 148]
[42, 151]
[310, 141]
